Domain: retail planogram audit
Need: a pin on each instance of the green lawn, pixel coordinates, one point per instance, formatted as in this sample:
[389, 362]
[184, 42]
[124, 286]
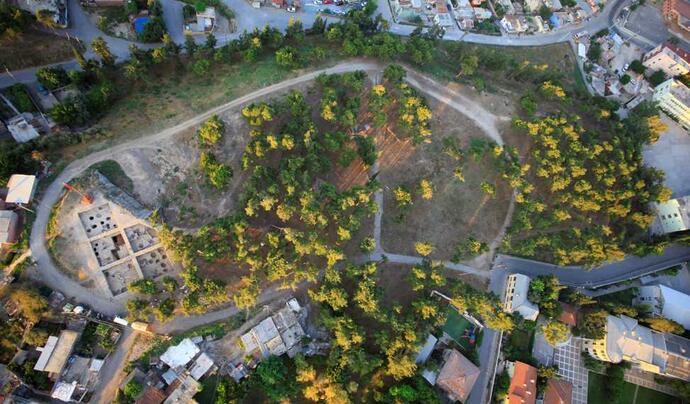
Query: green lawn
[455, 327]
[596, 393]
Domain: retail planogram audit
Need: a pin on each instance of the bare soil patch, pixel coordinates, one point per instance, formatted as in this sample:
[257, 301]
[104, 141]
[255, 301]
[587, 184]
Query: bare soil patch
[34, 48]
[457, 209]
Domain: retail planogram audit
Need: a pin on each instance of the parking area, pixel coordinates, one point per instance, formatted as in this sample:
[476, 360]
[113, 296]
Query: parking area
[648, 22]
[570, 368]
[670, 154]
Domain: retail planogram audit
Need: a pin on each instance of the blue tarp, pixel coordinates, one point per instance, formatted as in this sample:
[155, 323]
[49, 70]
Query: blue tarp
[554, 21]
[139, 23]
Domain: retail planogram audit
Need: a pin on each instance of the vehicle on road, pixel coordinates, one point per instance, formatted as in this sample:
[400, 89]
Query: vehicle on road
[291, 9]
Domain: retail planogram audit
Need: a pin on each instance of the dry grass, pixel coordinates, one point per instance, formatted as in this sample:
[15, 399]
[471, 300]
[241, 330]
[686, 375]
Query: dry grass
[458, 209]
[33, 48]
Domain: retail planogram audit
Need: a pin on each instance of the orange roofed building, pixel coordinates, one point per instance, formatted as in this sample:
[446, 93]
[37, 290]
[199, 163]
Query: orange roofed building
[523, 385]
[558, 392]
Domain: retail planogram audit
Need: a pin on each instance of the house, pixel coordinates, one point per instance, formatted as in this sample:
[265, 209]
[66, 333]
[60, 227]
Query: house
[21, 189]
[674, 99]
[202, 366]
[442, 16]
[647, 350]
[516, 297]
[513, 24]
[55, 353]
[457, 376]
[21, 130]
[9, 222]
[508, 7]
[523, 384]
[671, 216]
[568, 315]
[182, 391]
[669, 58]
[63, 391]
[558, 391]
[205, 22]
[151, 395]
[178, 356]
[666, 302]
[426, 350]
[275, 335]
[677, 12]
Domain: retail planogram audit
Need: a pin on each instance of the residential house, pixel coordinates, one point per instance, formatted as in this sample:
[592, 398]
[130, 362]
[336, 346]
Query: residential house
[517, 288]
[457, 376]
[669, 58]
[553, 5]
[58, 8]
[523, 384]
[558, 391]
[677, 12]
[20, 189]
[55, 353]
[646, 349]
[151, 395]
[513, 24]
[442, 16]
[275, 335]
[183, 390]
[665, 302]
[671, 216]
[21, 130]
[205, 21]
[426, 350]
[674, 99]
[9, 223]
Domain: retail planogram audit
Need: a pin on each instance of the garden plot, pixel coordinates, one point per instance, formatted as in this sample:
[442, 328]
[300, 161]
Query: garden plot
[457, 209]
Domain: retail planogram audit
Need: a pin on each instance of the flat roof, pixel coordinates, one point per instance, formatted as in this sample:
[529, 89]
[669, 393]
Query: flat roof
[201, 365]
[46, 351]
[21, 188]
[62, 351]
[180, 354]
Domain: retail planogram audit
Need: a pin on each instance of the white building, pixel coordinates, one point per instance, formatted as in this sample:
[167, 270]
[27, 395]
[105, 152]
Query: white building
[513, 24]
[275, 335]
[666, 302]
[668, 58]
[532, 6]
[674, 99]
[178, 356]
[647, 350]
[671, 216]
[20, 188]
[517, 287]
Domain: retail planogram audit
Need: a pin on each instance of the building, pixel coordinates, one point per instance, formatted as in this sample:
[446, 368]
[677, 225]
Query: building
[21, 189]
[669, 58]
[666, 302]
[671, 216]
[178, 356]
[674, 99]
[151, 395]
[457, 376]
[275, 335]
[558, 391]
[442, 16]
[516, 297]
[205, 22]
[523, 384]
[513, 24]
[532, 6]
[677, 12]
[647, 350]
[182, 391]
[55, 353]
[21, 130]
[568, 315]
[426, 350]
[9, 222]
[202, 365]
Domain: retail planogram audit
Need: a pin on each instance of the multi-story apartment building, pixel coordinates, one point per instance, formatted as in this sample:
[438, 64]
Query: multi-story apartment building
[669, 58]
[674, 99]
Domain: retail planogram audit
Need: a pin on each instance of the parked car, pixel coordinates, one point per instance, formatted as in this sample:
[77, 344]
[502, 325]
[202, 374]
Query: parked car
[291, 9]
[626, 67]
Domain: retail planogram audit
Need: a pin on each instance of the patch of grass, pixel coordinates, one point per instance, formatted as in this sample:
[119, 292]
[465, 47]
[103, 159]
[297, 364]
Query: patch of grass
[33, 48]
[597, 394]
[207, 395]
[645, 395]
[114, 172]
[623, 297]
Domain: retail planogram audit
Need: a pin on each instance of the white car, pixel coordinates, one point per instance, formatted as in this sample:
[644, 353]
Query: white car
[626, 67]
[291, 9]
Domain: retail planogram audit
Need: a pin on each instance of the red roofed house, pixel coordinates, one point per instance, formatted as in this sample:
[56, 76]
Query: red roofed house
[568, 315]
[457, 376]
[558, 392]
[678, 12]
[671, 59]
[523, 385]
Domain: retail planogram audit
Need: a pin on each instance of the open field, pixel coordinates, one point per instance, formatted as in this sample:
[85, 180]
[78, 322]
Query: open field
[33, 48]
[457, 209]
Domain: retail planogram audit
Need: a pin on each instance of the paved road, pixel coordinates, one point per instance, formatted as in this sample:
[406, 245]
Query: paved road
[631, 267]
[109, 376]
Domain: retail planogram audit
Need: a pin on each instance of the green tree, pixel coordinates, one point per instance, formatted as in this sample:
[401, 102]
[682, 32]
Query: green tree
[211, 131]
[657, 78]
[201, 67]
[31, 304]
[593, 324]
[133, 389]
[52, 77]
[100, 48]
[153, 30]
[274, 379]
[143, 286]
[287, 56]
[468, 64]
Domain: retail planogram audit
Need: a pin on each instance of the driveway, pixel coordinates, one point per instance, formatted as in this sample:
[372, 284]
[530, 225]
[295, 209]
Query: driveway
[672, 154]
[572, 369]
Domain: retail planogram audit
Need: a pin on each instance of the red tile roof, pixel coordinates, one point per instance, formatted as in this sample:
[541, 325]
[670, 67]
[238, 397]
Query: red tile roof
[523, 386]
[151, 395]
[558, 392]
[569, 315]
